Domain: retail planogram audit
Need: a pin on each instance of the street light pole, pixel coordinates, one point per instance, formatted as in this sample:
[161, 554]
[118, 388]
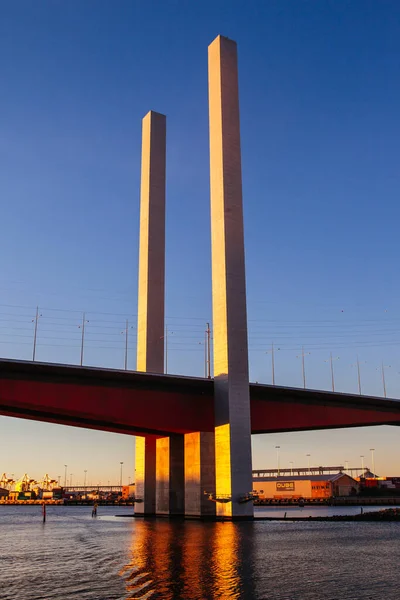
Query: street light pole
[277, 458]
[120, 476]
[362, 464]
[291, 468]
[84, 482]
[308, 456]
[65, 475]
[372, 450]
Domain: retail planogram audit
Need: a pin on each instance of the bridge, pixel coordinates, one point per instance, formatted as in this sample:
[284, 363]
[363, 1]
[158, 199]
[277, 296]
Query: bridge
[154, 404]
[193, 436]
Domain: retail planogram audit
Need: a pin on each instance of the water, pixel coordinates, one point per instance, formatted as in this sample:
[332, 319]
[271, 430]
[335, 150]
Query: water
[109, 558]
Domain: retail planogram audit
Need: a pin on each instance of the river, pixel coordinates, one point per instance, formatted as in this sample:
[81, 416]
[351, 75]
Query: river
[74, 555]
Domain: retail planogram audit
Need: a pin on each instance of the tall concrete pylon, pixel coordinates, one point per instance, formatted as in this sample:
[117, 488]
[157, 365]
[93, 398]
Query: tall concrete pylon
[151, 290]
[233, 463]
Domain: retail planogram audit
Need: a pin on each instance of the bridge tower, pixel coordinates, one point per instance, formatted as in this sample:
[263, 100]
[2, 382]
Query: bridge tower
[159, 462]
[150, 330]
[231, 374]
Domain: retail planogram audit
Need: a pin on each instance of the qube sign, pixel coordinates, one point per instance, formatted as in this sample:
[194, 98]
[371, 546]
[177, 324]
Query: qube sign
[285, 486]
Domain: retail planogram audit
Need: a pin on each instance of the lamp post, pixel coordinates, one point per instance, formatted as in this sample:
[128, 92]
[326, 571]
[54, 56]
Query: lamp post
[84, 479]
[302, 355]
[372, 450]
[331, 359]
[277, 458]
[362, 464]
[291, 468]
[70, 479]
[82, 326]
[120, 476]
[308, 456]
[35, 320]
[357, 364]
[65, 475]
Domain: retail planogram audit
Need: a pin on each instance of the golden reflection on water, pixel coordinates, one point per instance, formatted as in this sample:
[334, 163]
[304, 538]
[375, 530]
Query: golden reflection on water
[225, 560]
[184, 560]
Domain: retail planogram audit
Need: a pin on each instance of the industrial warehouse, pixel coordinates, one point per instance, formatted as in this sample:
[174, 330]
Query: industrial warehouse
[305, 487]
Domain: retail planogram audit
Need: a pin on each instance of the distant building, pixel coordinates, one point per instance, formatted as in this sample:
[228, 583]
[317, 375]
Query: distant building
[128, 491]
[305, 486]
[3, 493]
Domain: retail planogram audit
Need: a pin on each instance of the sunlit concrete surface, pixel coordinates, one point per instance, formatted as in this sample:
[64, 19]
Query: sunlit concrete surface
[151, 287]
[199, 474]
[232, 401]
[150, 340]
[170, 476]
[145, 475]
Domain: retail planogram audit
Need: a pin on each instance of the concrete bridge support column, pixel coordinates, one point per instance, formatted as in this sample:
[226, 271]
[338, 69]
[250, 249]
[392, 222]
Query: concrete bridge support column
[231, 374]
[145, 475]
[151, 292]
[170, 476]
[199, 474]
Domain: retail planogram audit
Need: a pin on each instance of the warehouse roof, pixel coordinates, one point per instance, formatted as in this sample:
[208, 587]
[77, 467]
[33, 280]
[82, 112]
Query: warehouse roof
[304, 478]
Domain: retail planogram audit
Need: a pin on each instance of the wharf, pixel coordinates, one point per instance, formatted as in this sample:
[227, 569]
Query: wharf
[390, 514]
[339, 501]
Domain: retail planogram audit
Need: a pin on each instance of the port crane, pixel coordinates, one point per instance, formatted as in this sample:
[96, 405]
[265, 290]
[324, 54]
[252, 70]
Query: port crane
[6, 482]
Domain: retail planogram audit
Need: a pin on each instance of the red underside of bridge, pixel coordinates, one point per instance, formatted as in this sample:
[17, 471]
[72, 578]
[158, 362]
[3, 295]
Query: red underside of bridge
[143, 403]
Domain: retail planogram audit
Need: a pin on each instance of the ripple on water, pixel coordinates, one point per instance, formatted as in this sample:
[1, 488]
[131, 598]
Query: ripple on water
[75, 556]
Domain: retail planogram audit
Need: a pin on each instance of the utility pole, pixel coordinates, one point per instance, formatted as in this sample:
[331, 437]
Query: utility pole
[35, 320]
[302, 355]
[83, 335]
[357, 364]
[359, 376]
[272, 352]
[166, 348]
[126, 344]
[331, 359]
[208, 347]
[383, 378]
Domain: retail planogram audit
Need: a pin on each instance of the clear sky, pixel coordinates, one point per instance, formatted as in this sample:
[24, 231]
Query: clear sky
[320, 97]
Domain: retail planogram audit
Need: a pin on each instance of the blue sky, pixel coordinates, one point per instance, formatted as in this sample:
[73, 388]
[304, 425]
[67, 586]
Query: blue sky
[319, 94]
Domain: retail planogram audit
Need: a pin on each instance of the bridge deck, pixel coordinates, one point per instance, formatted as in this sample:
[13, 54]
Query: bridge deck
[144, 403]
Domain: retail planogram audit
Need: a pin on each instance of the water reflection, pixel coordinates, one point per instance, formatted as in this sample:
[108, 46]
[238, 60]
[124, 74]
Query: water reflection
[190, 561]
